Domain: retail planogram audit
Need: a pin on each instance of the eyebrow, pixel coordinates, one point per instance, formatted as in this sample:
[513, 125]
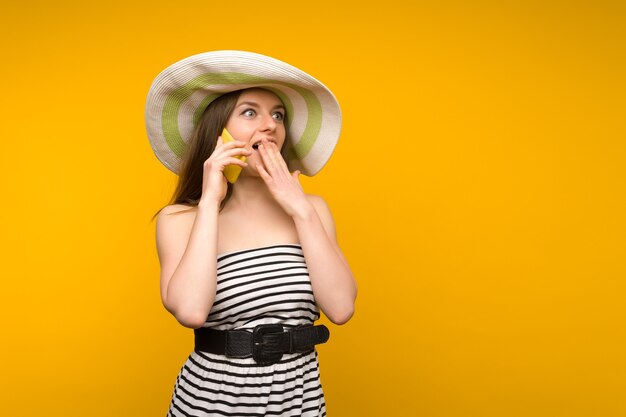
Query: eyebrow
[253, 104]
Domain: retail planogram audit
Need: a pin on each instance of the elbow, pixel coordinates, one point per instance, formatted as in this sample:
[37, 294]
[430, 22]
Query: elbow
[192, 321]
[190, 318]
[342, 311]
[341, 316]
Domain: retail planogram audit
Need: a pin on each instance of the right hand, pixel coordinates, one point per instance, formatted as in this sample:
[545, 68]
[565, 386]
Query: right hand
[213, 179]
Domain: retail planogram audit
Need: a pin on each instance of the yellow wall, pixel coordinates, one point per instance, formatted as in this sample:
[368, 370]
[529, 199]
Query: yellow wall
[478, 190]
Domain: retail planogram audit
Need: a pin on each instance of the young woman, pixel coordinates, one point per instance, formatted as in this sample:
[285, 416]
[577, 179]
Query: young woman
[247, 265]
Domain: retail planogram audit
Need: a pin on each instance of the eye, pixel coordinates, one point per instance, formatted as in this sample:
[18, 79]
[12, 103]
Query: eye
[279, 116]
[249, 112]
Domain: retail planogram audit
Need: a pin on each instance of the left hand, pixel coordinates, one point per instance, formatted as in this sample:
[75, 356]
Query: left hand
[284, 186]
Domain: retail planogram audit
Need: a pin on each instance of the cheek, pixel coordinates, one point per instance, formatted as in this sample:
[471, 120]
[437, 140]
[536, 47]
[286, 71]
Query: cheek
[283, 135]
[238, 131]
[232, 126]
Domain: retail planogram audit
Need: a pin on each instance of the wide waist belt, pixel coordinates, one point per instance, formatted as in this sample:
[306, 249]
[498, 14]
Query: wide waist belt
[266, 343]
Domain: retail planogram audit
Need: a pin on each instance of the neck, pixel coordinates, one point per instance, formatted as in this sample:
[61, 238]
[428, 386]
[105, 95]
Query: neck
[250, 192]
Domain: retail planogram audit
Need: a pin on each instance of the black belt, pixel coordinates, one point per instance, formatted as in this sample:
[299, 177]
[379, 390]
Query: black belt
[266, 343]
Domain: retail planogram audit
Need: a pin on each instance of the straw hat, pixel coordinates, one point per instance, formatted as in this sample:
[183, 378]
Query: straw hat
[180, 94]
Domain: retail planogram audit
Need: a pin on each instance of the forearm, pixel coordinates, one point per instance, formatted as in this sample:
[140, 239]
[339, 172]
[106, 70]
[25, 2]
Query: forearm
[191, 290]
[333, 285]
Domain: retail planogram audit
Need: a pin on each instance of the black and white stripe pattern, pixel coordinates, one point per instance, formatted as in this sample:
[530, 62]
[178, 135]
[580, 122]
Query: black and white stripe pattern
[255, 286]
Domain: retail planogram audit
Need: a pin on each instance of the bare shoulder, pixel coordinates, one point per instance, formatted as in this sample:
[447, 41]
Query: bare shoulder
[318, 202]
[323, 211]
[175, 220]
[176, 209]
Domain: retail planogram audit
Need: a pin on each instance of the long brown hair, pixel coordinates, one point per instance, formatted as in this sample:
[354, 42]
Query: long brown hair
[200, 146]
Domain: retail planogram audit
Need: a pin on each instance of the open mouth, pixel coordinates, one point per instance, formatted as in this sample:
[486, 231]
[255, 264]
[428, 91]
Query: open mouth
[257, 144]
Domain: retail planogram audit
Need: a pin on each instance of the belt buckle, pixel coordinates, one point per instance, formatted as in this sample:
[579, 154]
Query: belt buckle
[261, 352]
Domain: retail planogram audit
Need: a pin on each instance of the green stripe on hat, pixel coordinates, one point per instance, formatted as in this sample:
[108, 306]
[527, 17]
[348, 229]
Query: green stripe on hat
[313, 123]
[202, 107]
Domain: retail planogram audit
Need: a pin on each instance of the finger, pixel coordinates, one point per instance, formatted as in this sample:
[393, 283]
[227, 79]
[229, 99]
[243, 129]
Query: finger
[268, 160]
[228, 149]
[296, 175]
[220, 143]
[264, 157]
[271, 148]
[234, 161]
[278, 157]
[236, 151]
[263, 173]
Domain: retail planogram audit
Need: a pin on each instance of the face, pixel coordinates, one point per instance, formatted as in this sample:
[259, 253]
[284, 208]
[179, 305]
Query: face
[258, 114]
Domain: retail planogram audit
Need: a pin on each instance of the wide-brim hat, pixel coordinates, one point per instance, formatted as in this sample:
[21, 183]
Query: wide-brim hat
[180, 94]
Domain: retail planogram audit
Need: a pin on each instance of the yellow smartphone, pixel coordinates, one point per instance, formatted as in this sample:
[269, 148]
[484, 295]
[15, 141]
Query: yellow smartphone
[231, 172]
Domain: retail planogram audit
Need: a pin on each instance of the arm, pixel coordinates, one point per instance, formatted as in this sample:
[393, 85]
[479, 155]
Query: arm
[188, 254]
[188, 271]
[334, 286]
[333, 283]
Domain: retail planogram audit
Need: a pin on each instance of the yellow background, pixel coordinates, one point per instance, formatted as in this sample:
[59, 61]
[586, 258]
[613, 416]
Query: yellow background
[478, 190]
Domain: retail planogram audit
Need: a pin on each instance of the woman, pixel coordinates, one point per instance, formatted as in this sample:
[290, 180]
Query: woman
[247, 265]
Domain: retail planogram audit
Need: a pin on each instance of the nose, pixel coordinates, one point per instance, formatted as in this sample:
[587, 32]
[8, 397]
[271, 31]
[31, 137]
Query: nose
[268, 124]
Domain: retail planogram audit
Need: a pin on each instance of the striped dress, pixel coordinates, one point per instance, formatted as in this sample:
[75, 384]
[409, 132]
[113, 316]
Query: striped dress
[265, 285]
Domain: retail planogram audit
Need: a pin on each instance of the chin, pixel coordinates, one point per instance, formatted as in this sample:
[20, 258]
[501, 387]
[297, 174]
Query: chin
[250, 171]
